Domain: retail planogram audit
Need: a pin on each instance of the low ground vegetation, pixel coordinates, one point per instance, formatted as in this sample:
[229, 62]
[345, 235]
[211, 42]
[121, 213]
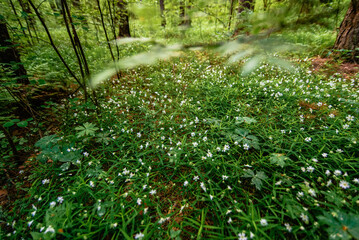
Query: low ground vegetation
[190, 148]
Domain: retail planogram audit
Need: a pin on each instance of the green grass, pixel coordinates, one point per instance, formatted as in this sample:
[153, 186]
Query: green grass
[190, 149]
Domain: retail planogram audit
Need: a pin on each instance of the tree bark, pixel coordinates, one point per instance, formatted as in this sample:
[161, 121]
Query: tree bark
[53, 5]
[26, 8]
[123, 16]
[265, 5]
[59, 6]
[162, 9]
[76, 4]
[19, 21]
[245, 4]
[9, 56]
[230, 14]
[348, 35]
[185, 19]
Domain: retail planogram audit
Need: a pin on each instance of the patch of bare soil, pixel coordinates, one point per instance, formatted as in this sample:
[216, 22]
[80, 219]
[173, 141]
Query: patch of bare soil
[328, 67]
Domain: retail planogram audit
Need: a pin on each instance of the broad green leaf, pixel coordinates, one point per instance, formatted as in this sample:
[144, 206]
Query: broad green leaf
[11, 123]
[280, 63]
[248, 173]
[122, 41]
[261, 175]
[65, 166]
[22, 124]
[333, 197]
[174, 234]
[257, 182]
[252, 64]
[279, 159]
[257, 179]
[88, 129]
[230, 47]
[8, 124]
[47, 141]
[103, 76]
[241, 131]
[247, 120]
[341, 224]
[156, 53]
[240, 55]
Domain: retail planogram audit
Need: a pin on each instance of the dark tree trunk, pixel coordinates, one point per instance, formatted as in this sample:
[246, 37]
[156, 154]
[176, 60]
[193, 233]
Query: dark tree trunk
[53, 5]
[76, 3]
[348, 36]
[31, 20]
[19, 21]
[230, 14]
[242, 6]
[78, 10]
[162, 9]
[59, 6]
[185, 19]
[123, 17]
[265, 5]
[245, 4]
[9, 56]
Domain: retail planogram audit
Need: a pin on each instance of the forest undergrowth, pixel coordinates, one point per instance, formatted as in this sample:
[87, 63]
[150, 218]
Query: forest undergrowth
[189, 148]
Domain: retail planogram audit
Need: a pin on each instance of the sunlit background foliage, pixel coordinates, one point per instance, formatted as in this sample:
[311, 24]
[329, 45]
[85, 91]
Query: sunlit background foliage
[215, 130]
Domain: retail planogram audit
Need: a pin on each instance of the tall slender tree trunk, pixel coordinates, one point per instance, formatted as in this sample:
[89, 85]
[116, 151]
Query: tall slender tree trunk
[30, 20]
[230, 14]
[111, 10]
[19, 21]
[59, 6]
[9, 56]
[162, 9]
[266, 4]
[53, 5]
[348, 35]
[123, 17]
[76, 3]
[242, 6]
[80, 12]
[185, 19]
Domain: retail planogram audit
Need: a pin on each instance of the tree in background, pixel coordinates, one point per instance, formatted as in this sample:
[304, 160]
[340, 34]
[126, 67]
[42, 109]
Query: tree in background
[162, 10]
[245, 5]
[9, 57]
[30, 20]
[348, 36]
[185, 18]
[123, 17]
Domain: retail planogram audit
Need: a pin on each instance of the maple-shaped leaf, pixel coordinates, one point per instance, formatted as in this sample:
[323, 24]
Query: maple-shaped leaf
[88, 129]
[247, 120]
[279, 159]
[257, 179]
[341, 225]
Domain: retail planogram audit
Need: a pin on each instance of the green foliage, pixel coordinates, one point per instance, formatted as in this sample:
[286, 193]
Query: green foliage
[11, 123]
[187, 143]
[278, 159]
[52, 149]
[341, 225]
[88, 129]
[155, 54]
[241, 135]
[256, 178]
[184, 141]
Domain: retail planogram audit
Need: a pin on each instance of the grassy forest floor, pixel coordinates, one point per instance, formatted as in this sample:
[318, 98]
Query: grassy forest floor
[189, 148]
